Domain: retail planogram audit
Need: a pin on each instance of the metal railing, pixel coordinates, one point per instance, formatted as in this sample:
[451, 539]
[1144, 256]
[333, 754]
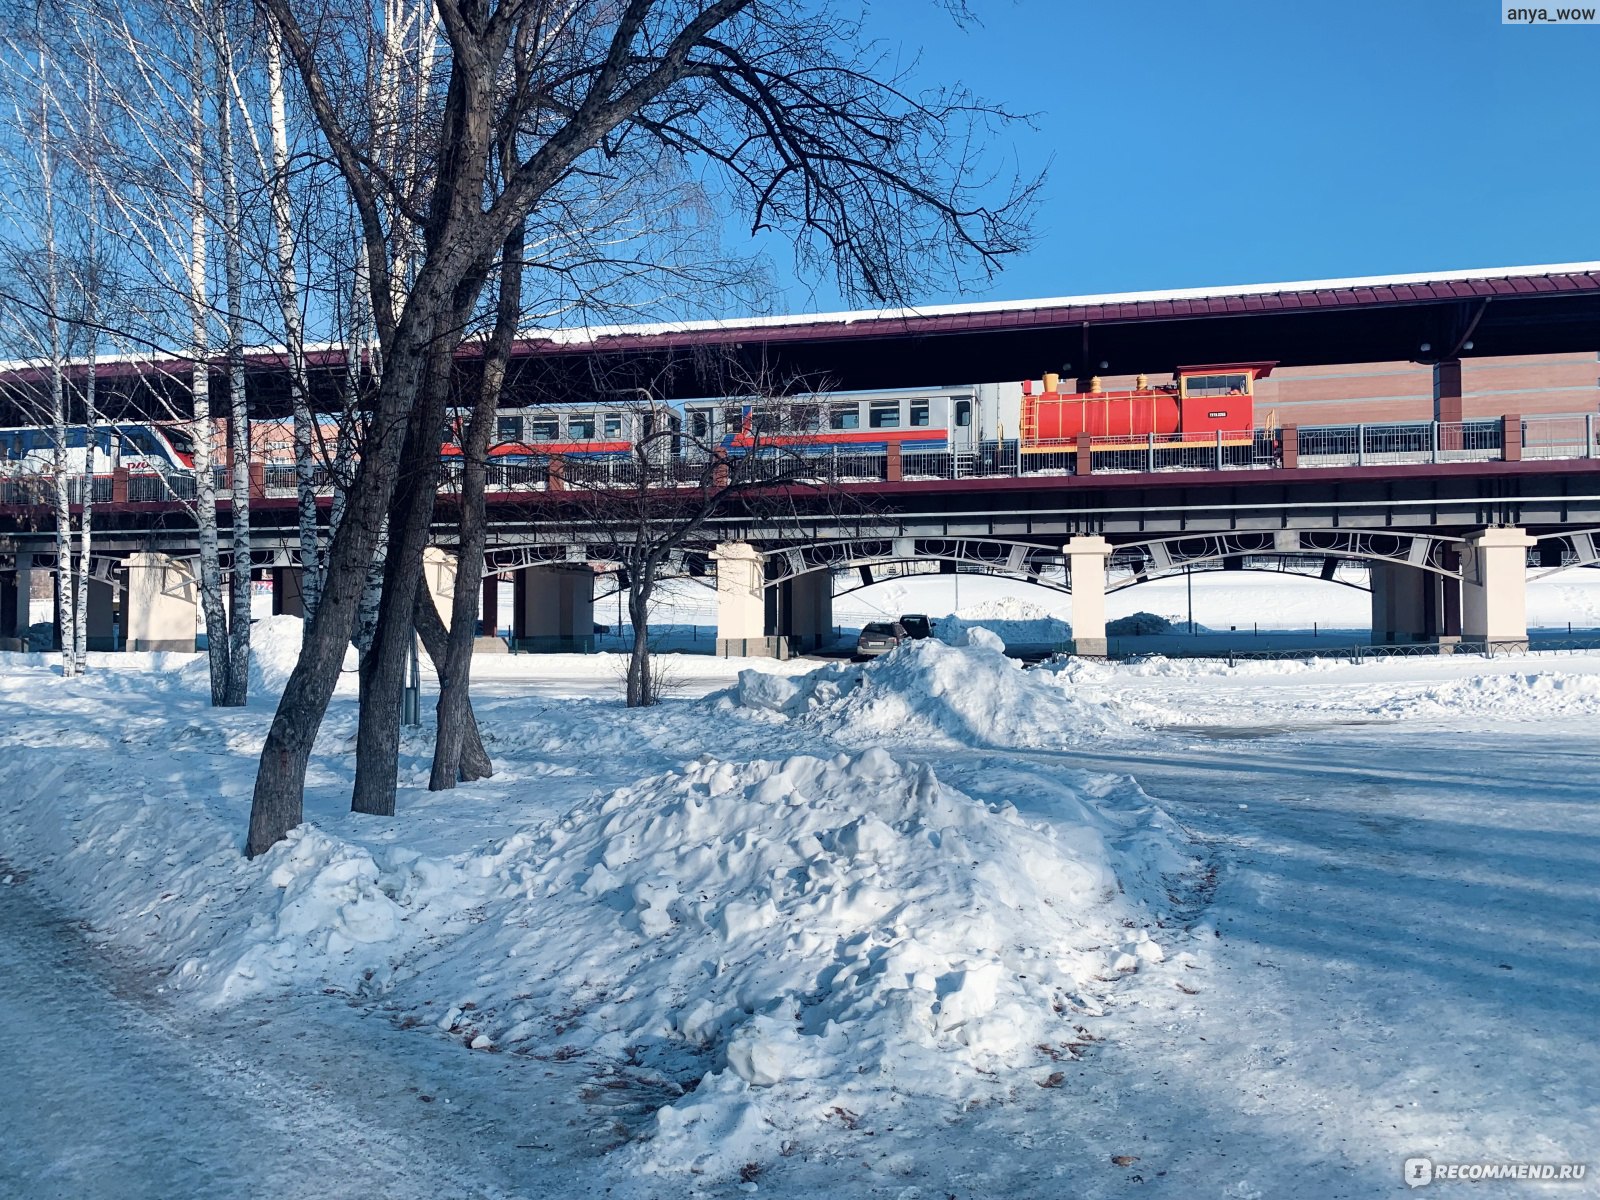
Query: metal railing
[1358, 445]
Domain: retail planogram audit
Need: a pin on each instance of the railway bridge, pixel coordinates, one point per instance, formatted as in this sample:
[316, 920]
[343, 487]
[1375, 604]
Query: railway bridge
[1452, 491]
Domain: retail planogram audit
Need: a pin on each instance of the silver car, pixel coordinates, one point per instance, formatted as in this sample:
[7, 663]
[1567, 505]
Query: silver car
[880, 637]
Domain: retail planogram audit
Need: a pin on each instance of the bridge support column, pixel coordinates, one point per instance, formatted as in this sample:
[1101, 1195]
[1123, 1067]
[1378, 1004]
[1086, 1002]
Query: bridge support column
[100, 629]
[13, 609]
[489, 609]
[742, 604]
[288, 592]
[439, 574]
[1411, 605]
[24, 595]
[1086, 566]
[161, 604]
[554, 610]
[804, 610]
[1494, 587]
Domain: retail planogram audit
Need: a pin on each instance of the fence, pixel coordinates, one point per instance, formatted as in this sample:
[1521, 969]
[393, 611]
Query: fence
[1539, 438]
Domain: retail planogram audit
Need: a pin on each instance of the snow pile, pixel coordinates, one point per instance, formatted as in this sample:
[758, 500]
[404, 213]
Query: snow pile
[970, 695]
[760, 946]
[1532, 697]
[795, 938]
[1037, 628]
[1139, 624]
[274, 650]
[1004, 608]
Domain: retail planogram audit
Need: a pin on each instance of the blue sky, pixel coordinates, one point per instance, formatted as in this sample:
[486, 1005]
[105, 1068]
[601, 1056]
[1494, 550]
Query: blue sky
[1196, 143]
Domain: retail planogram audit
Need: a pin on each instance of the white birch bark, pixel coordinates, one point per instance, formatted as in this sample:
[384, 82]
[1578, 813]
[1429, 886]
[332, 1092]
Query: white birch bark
[66, 595]
[203, 428]
[238, 679]
[80, 615]
[293, 333]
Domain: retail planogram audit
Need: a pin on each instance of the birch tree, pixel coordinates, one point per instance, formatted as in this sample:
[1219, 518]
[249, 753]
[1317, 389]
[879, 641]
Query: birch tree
[813, 134]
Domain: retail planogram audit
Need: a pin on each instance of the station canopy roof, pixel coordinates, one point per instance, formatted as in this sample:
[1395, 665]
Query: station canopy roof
[1419, 317]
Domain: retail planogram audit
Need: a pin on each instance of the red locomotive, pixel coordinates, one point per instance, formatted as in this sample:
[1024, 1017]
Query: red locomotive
[1196, 406]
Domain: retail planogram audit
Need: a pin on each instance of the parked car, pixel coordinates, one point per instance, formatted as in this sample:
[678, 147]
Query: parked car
[880, 637]
[916, 625]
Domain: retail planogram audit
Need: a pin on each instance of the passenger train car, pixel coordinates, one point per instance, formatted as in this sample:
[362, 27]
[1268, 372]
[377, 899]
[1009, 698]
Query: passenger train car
[575, 430]
[925, 419]
[136, 447]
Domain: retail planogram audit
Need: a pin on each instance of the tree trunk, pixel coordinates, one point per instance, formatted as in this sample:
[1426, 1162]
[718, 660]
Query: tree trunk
[80, 623]
[67, 597]
[383, 665]
[641, 687]
[459, 723]
[277, 804]
[293, 334]
[450, 762]
[238, 681]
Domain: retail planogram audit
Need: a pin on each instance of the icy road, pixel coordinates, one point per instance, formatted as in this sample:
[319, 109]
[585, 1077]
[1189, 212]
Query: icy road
[108, 1091]
[1396, 951]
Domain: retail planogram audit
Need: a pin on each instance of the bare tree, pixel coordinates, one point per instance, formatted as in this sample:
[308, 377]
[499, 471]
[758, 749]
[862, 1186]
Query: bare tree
[816, 138]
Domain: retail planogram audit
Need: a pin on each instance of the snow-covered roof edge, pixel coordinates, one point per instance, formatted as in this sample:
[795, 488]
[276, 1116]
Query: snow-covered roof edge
[581, 334]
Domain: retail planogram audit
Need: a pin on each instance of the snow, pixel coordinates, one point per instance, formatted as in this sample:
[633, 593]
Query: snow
[934, 923]
[970, 695]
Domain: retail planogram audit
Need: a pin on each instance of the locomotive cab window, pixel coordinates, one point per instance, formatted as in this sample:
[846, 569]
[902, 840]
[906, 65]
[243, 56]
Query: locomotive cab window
[1229, 384]
[884, 414]
[844, 417]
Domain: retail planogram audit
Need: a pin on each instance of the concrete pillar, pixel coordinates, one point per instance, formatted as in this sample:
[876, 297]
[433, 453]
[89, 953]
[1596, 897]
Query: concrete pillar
[100, 629]
[10, 600]
[24, 593]
[288, 594]
[439, 574]
[555, 609]
[161, 605]
[1412, 605]
[1494, 583]
[805, 610]
[741, 604]
[1086, 565]
[489, 612]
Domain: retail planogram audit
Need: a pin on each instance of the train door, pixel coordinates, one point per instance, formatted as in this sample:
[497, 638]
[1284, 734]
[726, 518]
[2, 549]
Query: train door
[964, 423]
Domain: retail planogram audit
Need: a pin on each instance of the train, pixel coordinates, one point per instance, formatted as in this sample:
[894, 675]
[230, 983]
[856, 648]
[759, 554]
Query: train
[1201, 404]
[159, 448]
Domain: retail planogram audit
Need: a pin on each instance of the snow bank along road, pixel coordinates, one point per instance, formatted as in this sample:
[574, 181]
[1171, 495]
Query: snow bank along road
[912, 933]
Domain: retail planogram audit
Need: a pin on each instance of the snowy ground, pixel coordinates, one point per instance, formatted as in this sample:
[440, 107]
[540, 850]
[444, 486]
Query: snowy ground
[931, 926]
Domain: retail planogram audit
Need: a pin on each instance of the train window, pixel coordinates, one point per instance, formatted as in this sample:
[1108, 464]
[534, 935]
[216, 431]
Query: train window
[919, 412]
[845, 417]
[612, 425]
[699, 423]
[181, 441]
[733, 419]
[884, 414]
[509, 429]
[1230, 384]
[963, 413]
[543, 429]
[580, 426]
